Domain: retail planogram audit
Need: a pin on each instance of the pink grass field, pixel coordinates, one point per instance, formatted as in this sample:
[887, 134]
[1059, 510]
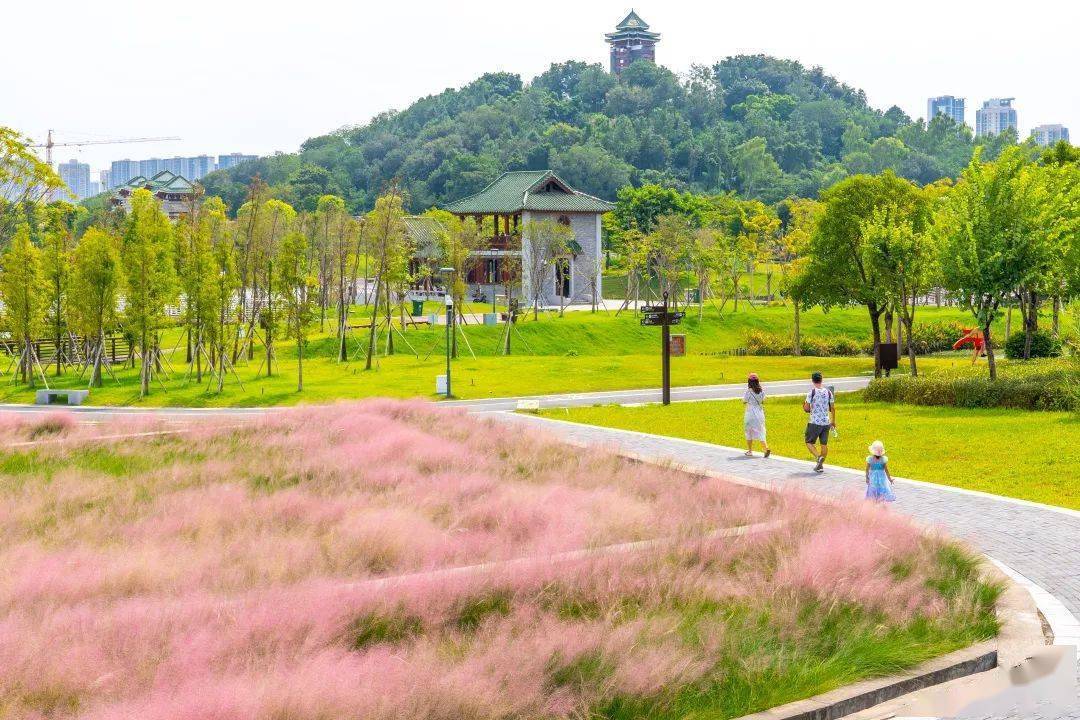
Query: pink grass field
[391, 560]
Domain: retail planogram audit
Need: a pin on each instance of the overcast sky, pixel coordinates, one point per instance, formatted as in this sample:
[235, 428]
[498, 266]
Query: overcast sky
[255, 77]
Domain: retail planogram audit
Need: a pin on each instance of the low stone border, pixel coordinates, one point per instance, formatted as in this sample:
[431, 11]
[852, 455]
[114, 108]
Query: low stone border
[1021, 632]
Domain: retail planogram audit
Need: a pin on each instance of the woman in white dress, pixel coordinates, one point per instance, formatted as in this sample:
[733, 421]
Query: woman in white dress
[754, 415]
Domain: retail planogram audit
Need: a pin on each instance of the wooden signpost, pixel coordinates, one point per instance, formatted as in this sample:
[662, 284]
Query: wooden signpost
[660, 315]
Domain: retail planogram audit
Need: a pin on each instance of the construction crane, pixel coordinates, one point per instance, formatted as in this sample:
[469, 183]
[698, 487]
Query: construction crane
[49, 144]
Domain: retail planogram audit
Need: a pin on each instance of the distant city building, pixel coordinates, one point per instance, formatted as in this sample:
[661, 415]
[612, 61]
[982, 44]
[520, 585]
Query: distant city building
[121, 171]
[76, 176]
[95, 188]
[631, 42]
[224, 162]
[1050, 134]
[197, 167]
[994, 117]
[945, 105]
[151, 167]
[105, 178]
[174, 191]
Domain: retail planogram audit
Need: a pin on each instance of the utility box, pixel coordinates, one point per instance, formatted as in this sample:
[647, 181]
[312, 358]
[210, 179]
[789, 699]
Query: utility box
[491, 318]
[440, 384]
[677, 345]
[889, 355]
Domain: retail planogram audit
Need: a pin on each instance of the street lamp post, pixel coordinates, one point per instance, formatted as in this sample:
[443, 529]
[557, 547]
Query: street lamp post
[448, 273]
[449, 336]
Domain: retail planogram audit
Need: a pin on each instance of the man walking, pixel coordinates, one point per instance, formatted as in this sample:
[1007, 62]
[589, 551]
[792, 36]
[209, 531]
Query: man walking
[820, 404]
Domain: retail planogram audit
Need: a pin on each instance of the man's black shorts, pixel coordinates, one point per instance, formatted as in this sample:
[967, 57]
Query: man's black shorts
[815, 433]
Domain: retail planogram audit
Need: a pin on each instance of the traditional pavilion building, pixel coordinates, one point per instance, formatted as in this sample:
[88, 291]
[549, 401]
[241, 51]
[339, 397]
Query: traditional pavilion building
[631, 42]
[174, 191]
[516, 199]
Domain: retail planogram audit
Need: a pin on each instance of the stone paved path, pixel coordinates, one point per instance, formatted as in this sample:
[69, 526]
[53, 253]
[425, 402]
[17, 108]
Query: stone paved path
[1037, 541]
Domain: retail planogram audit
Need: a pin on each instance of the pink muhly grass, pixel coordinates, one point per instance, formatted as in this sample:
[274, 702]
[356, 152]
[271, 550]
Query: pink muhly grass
[319, 562]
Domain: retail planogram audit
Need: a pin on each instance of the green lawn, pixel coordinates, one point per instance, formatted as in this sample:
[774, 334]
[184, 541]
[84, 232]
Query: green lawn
[579, 352]
[1021, 454]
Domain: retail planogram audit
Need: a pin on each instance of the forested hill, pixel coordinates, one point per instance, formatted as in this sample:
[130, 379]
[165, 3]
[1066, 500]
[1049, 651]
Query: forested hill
[761, 126]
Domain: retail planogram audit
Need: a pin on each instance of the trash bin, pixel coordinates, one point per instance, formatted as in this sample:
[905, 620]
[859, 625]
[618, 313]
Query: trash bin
[417, 307]
[491, 318]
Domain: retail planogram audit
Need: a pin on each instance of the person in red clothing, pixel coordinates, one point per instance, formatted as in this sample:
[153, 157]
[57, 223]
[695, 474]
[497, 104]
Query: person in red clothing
[975, 337]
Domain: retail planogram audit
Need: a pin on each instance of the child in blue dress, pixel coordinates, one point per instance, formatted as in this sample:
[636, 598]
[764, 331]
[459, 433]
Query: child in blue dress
[878, 478]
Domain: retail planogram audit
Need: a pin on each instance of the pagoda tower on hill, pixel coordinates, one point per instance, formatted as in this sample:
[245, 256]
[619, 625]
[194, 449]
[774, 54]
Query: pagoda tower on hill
[631, 42]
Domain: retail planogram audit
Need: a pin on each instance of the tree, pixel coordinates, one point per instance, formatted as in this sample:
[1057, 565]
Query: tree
[25, 182]
[224, 281]
[23, 303]
[95, 281]
[329, 250]
[388, 245]
[799, 218]
[543, 241]
[56, 271]
[837, 273]
[457, 241]
[150, 278]
[987, 250]
[669, 252]
[297, 285]
[903, 254]
[278, 220]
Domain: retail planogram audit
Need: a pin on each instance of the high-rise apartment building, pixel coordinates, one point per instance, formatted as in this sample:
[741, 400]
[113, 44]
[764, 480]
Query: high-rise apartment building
[224, 162]
[945, 105]
[76, 176]
[994, 117]
[105, 178]
[121, 171]
[198, 166]
[1050, 134]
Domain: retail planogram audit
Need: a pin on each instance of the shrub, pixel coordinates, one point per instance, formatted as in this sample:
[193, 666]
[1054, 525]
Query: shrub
[1043, 345]
[935, 336]
[759, 342]
[1043, 386]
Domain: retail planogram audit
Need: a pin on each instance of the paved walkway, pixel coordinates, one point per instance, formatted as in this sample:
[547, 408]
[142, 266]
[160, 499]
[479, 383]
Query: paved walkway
[689, 393]
[1039, 542]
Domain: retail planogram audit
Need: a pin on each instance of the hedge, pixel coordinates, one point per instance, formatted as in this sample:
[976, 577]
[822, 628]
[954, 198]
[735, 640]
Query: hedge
[927, 338]
[1043, 345]
[1038, 386]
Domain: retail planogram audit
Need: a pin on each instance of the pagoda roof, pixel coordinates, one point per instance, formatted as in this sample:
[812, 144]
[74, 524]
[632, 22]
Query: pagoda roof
[538, 190]
[632, 26]
[425, 232]
[163, 181]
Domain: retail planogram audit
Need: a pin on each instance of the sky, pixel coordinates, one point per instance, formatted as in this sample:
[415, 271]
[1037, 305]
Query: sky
[259, 77]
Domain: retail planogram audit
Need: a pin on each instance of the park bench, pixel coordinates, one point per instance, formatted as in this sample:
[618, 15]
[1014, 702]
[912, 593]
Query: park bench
[60, 397]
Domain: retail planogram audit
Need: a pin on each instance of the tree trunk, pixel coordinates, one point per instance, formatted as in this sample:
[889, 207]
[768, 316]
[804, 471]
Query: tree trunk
[875, 323]
[374, 319]
[796, 339]
[988, 346]
[889, 326]
[1057, 316]
[909, 321]
[1008, 323]
[144, 375]
[299, 363]
[1031, 322]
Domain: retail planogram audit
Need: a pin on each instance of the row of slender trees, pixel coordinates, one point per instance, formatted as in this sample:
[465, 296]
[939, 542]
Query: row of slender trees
[1006, 234]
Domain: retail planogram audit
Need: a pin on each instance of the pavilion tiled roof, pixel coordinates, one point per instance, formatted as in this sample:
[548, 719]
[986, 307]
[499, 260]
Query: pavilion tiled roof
[425, 233]
[163, 181]
[539, 190]
[632, 26]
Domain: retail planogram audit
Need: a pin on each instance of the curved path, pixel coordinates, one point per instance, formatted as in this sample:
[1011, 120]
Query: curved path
[1041, 543]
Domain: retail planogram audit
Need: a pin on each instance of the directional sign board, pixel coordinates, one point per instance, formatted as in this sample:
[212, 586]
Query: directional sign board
[671, 318]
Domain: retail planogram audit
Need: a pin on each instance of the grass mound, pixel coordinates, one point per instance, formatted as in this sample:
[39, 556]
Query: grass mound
[390, 560]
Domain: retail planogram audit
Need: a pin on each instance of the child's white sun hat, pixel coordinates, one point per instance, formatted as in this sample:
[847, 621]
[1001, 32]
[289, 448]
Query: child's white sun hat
[877, 448]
